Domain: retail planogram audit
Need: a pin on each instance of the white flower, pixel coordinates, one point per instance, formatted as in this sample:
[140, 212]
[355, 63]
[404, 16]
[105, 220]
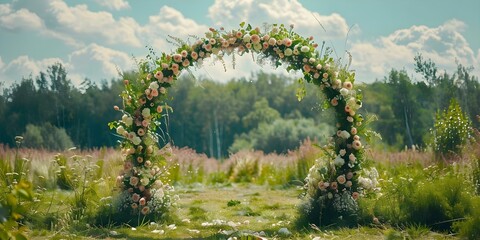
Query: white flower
[246, 38]
[344, 92]
[121, 130]
[146, 112]
[136, 140]
[311, 60]
[342, 152]
[344, 134]
[365, 182]
[272, 41]
[288, 52]
[153, 85]
[339, 161]
[257, 46]
[305, 49]
[127, 120]
[352, 157]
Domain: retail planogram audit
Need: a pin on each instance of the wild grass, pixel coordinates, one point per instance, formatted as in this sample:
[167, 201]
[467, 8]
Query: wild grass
[250, 194]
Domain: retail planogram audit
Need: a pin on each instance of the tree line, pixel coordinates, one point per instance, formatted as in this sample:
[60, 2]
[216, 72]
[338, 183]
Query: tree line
[261, 112]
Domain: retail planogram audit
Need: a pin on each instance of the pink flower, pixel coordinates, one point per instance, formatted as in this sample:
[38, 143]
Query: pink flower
[350, 119]
[154, 92]
[186, 63]
[248, 45]
[141, 188]
[356, 144]
[321, 186]
[142, 201]
[177, 57]
[341, 179]
[334, 102]
[306, 68]
[135, 197]
[144, 123]
[159, 75]
[342, 152]
[355, 195]
[116, 108]
[272, 41]
[353, 131]
[348, 184]
[159, 109]
[207, 47]
[349, 175]
[316, 75]
[325, 75]
[348, 109]
[255, 38]
[265, 45]
[134, 206]
[133, 181]
[348, 85]
[352, 159]
[266, 37]
[333, 185]
[184, 53]
[141, 132]
[139, 159]
[212, 41]
[287, 42]
[127, 166]
[356, 137]
[145, 210]
[194, 55]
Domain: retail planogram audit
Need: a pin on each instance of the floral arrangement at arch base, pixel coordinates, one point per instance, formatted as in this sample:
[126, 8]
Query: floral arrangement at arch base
[333, 185]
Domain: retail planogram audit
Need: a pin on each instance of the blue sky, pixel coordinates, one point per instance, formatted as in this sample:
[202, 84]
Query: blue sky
[96, 38]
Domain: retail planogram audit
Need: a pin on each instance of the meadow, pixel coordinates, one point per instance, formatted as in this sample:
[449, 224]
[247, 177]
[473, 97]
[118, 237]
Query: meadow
[250, 195]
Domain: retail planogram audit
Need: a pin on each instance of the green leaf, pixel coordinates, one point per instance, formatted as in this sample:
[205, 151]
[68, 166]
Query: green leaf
[242, 24]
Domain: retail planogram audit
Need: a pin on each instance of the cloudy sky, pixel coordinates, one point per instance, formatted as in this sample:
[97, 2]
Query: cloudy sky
[96, 38]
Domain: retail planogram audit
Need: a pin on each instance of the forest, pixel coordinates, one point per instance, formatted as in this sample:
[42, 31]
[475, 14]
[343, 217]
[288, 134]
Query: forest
[219, 119]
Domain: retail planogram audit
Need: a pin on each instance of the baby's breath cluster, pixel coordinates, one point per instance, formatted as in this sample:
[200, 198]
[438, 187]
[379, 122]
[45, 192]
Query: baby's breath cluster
[144, 105]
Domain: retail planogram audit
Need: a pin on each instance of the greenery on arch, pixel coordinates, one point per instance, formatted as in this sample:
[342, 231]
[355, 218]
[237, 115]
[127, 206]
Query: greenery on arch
[333, 185]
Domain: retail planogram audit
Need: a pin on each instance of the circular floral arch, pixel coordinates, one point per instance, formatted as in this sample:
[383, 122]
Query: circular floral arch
[332, 185]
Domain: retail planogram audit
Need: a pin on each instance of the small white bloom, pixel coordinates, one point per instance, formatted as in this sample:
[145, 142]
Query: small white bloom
[344, 134]
[136, 140]
[146, 112]
[342, 152]
[153, 85]
[121, 130]
[311, 60]
[339, 161]
[344, 92]
[246, 38]
[305, 49]
[288, 52]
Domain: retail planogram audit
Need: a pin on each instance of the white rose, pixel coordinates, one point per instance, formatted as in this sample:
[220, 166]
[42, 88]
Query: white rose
[153, 85]
[246, 38]
[127, 120]
[339, 161]
[121, 130]
[342, 152]
[288, 52]
[146, 112]
[344, 92]
[305, 49]
[136, 140]
[344, 134]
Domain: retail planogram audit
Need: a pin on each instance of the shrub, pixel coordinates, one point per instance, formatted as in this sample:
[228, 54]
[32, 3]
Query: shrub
[47, 136]
[452, 129]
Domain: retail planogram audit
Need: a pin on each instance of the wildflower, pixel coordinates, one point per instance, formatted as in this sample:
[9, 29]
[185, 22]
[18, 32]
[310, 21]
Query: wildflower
[133, 181]
[339, 161]
[341, 179]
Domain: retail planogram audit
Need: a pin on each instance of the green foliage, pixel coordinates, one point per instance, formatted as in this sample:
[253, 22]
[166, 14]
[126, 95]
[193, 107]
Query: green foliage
[281, 135]
[47, 136]
[468, 229]
[434, 197]
[451, 131]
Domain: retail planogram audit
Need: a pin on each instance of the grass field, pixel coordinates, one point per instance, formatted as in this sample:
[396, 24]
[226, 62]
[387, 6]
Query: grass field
[248, 196]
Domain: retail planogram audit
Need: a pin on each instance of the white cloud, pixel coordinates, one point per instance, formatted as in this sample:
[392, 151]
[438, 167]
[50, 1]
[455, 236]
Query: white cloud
[92, 26]
[226, 12]
[169, 21]
[114, 4]
[23, 67]
[21, 19]
[98, 63]
[443, 44]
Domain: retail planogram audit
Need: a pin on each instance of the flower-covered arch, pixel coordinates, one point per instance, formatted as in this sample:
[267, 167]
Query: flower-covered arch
[332, 185]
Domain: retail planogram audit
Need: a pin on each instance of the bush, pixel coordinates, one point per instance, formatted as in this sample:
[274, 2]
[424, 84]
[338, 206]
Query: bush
[47, 136]
[452, 129]
[281, 135]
